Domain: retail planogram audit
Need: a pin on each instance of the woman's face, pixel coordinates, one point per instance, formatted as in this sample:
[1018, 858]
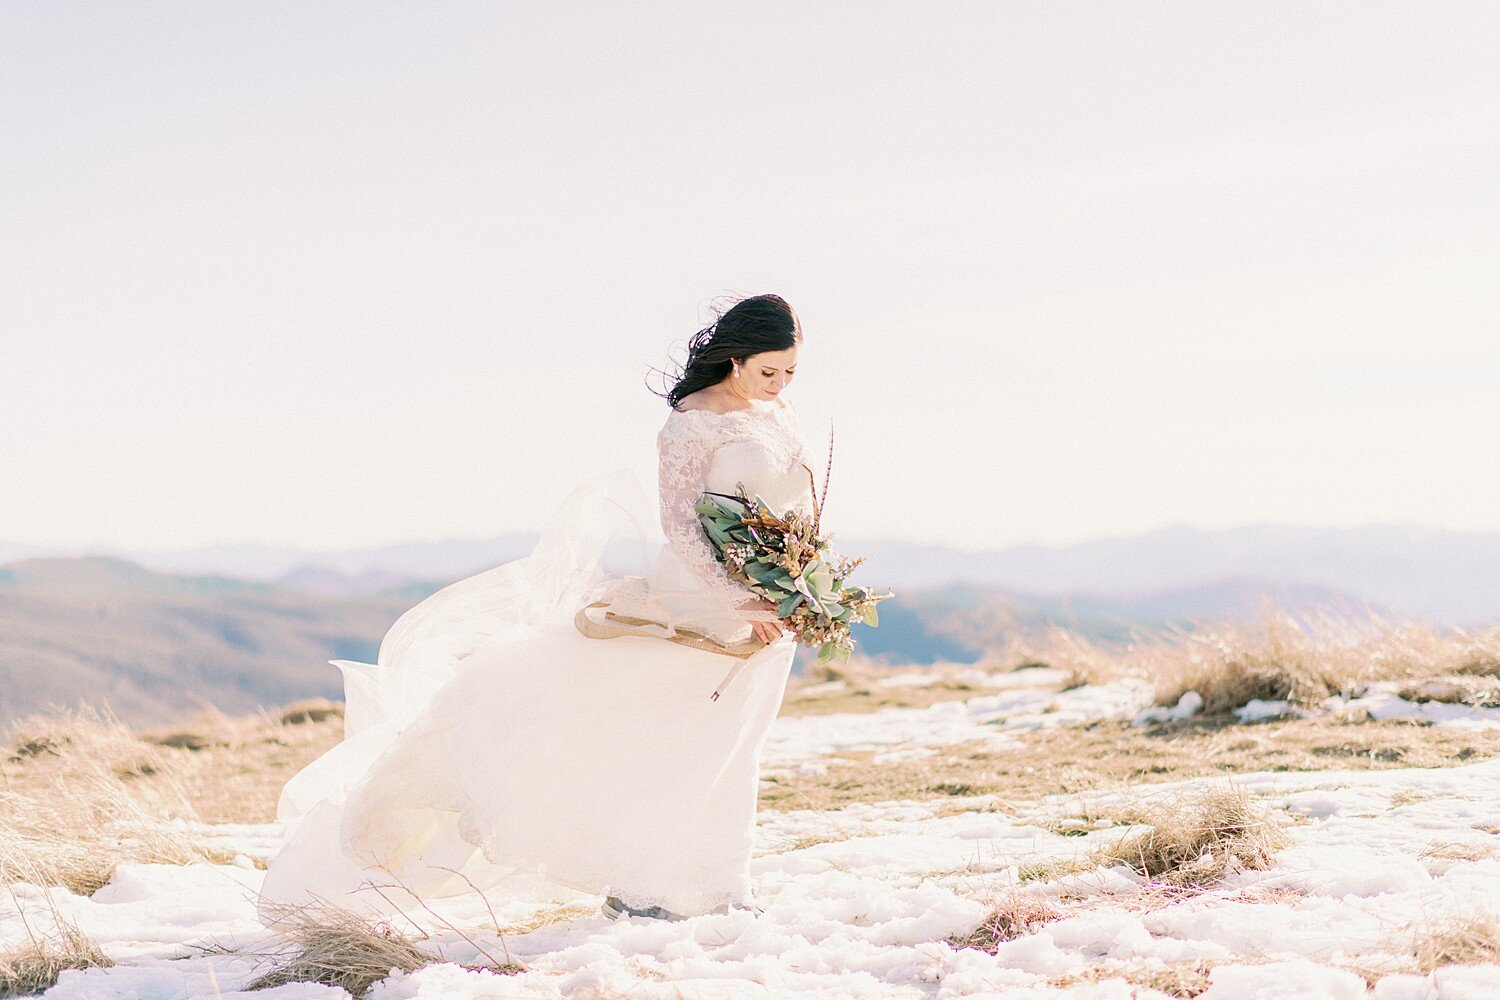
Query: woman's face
[764, 375]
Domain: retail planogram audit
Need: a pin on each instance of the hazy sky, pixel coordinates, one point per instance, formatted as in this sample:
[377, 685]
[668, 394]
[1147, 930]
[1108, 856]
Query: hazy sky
[346, 274]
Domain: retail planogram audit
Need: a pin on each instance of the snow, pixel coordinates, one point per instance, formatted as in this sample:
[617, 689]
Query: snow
[1261, 708]
[1186, 705]
[1382, 702]
[863, 910]
[993, 719]
[1295, 980]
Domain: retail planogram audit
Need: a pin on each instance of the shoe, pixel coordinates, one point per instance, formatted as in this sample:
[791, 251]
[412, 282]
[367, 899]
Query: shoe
[614, 908]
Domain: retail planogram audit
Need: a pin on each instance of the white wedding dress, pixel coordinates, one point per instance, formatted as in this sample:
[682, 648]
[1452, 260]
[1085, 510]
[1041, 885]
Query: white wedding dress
[495, 747]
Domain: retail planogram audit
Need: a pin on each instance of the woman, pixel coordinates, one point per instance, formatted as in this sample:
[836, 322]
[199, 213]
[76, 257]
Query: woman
[499, 743]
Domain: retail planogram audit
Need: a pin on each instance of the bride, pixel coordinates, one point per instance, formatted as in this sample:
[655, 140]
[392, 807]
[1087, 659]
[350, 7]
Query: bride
[506, 741]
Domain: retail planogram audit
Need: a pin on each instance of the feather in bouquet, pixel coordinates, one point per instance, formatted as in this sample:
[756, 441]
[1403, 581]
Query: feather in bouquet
[785, 559]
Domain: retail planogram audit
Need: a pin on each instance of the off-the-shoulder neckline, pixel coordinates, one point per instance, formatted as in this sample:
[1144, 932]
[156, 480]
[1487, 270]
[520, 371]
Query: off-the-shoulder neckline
[765, 408]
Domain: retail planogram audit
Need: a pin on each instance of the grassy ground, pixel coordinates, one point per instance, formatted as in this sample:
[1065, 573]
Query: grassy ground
[211, 768]
[80, 794]
[232, 770]
[1110, 755]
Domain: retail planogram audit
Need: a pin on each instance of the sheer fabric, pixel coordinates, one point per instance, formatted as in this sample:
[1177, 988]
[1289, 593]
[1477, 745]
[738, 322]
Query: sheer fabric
[493, 747]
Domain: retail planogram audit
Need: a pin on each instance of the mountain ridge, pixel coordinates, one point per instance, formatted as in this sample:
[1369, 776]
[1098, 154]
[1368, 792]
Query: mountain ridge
[1437, 573]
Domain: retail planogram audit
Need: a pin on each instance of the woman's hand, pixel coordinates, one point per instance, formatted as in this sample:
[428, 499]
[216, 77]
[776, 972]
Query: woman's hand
[769, 632]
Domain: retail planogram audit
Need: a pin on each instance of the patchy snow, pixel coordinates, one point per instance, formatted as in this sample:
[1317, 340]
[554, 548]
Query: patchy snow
[995, 719]
[1382, 702]
[1262, 708]
[1186, 705]
[862, 907]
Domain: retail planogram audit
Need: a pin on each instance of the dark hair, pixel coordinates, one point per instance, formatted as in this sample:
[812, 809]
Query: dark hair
[751, 326]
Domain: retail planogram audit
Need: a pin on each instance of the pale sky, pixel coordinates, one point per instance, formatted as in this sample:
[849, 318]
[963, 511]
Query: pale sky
[339, 275]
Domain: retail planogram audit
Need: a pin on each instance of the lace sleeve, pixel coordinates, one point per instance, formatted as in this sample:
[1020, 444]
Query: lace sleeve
[684, 453]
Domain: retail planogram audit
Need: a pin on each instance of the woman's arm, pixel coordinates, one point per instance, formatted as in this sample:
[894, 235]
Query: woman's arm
[684, 452]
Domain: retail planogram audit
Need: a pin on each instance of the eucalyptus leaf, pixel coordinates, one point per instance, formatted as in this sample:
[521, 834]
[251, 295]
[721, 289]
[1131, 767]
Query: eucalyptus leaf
[761, 572]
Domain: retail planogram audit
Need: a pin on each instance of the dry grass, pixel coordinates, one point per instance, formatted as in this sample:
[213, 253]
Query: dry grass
[34, 967]
[1468, 852]
[1013, 914]
[233, 769]
[1308, 658]
[1182, 981]
[810, 840]
[211, 768]
[35, 964]
[98, 798]
[1082, 660]
[858, 686]
[1109, 756]
[1301, 658]
[338, 948]
[323, 943]
[1086, 814]
[1456, 689]
[1047, 869]
[84, 795]
[547, 916]
[1411, 796]
[1200, 837]
[310, 710]
[1471, 939]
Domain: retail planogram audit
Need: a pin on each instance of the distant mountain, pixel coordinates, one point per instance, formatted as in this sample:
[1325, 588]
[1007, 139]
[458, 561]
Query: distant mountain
[151, 645]
[450, 558]
[1446, 576]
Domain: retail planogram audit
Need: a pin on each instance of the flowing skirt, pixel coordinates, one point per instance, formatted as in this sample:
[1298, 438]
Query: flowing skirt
[494, 747]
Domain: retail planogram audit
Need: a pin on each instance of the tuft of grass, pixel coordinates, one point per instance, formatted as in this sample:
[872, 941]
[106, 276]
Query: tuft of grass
[34, 966]
[311, 710]
[323, 943]
[1306, 658]
[335, 947]
[1199, 838]
[184, 740]
[1047, 869]
[1411, 796]
[1183, 981]
[1013, 914]
[1461, 852]
[1469, 939]
[1455, 689]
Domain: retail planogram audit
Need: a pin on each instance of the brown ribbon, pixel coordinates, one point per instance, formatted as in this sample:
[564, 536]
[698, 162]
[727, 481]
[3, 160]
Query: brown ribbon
[616, 625]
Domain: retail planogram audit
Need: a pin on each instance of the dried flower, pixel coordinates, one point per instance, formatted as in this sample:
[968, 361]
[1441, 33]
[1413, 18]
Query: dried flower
[784, 559]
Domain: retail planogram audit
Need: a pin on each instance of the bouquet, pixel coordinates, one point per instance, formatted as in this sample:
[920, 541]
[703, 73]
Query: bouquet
[784, 558]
